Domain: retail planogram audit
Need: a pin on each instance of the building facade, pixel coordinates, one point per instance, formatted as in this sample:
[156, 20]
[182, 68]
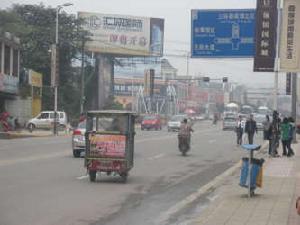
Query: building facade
[9, 70]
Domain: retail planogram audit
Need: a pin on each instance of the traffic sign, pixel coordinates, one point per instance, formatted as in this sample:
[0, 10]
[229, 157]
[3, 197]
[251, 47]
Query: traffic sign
[223, 33]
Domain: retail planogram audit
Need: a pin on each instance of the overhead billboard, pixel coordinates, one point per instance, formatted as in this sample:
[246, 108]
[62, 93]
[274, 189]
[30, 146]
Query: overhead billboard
[135, 67]
[222, 33]
[290, 36]
[123, 35]
[265, 35]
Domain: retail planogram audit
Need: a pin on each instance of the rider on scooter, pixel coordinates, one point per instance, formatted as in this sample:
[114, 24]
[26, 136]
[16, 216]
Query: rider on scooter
[185, 131]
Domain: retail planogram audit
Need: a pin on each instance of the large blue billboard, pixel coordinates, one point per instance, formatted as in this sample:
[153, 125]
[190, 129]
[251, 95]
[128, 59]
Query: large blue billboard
[223, 33]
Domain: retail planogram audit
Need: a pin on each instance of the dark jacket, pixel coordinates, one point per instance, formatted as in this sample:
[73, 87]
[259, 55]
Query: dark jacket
[250, 127]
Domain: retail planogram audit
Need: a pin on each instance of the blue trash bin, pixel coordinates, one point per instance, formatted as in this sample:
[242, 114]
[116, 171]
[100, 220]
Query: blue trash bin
[256, 165]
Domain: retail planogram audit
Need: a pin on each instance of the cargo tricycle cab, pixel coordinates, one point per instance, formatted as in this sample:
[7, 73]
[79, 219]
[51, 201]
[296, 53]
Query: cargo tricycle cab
[109, 143]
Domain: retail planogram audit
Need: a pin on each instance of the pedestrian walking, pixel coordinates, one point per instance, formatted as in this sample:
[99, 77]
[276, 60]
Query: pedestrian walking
[291, 136]
[285, 128]
[251, 128]
[266, 126]
[267, 132]
[274, 135]
[239, 129]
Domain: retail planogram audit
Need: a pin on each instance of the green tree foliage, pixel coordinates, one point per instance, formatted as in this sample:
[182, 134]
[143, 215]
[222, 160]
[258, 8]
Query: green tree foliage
[35, 26]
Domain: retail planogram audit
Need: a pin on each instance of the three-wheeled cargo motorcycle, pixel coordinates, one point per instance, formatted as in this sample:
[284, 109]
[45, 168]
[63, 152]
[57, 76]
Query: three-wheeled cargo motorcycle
[109, 143]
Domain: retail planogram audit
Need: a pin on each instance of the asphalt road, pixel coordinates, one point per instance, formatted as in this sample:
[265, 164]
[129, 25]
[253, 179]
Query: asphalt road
[42, 184]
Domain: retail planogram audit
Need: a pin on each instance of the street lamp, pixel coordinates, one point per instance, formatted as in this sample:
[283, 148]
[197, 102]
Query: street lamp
[58, 8]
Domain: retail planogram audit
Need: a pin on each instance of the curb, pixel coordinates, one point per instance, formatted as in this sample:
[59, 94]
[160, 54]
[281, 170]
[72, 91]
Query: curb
[165, 217]
[5, 135]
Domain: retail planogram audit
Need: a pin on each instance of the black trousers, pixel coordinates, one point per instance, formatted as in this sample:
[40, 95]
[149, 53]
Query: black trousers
[250, 138]
[239, 136]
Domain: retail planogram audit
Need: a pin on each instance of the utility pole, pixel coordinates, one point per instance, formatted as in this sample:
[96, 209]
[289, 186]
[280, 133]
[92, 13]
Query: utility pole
[58, 8]
[82, 95]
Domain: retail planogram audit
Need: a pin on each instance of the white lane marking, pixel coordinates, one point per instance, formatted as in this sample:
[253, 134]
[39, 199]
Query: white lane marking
[157, 156]
[82, 177]
[9, 162]
[212, 141]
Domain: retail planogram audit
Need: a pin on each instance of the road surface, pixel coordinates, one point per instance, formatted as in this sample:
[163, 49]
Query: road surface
[42, 184]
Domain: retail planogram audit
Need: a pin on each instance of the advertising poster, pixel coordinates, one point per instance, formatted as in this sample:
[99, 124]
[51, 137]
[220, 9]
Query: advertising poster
[107, 146]
[265, 35]
[123, 35]
[290, 36]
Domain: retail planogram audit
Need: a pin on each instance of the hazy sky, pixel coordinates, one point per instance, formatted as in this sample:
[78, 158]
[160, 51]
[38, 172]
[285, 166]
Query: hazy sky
[177, 32]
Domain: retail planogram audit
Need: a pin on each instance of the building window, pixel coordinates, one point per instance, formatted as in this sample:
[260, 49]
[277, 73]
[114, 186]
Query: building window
[7, 60]
[15, 63]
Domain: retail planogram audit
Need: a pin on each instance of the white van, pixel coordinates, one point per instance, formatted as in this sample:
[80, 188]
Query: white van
[45, 120]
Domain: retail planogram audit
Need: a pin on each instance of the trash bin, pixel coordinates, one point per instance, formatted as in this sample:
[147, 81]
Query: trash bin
[256, 166]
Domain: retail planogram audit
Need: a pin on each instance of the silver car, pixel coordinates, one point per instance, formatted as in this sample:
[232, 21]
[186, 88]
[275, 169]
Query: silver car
[78, 139]
[229, 123]
[45, 120]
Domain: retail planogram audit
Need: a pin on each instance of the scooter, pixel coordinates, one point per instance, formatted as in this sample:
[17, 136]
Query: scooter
[183, 144]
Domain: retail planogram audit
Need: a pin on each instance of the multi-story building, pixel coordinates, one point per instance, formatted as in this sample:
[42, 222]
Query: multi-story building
[9, 70]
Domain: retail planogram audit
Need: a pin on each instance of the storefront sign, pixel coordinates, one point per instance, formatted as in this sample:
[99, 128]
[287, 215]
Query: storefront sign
[266, 27]
[9, 84]
[35, 79]
[290, 36]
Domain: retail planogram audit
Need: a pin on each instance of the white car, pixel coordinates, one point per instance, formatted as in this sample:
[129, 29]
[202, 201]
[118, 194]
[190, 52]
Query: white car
[78, 139]
[175, 122]
[45, 120]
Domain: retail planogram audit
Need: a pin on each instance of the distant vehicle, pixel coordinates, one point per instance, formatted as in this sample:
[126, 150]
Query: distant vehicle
[78, 139]
[45, 120]
[229, 123]
[199, 117]
[264, 110]
[246, 110]
[151, 122]
[259, 118]
[175, 122]
[232, 108]
[230, 115]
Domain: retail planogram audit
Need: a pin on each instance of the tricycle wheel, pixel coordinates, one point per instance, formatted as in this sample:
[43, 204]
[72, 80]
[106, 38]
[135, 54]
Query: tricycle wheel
[92, 175]
[124, 177]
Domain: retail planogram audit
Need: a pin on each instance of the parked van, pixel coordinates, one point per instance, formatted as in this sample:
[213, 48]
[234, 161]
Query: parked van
[45, 120]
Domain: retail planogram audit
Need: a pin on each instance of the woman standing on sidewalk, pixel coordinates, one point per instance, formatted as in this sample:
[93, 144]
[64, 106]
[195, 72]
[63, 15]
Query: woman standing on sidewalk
[285, 137]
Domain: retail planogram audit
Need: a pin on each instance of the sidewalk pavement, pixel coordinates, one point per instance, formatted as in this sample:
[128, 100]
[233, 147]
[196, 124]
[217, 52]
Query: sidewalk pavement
[273, 204]
[27, 134]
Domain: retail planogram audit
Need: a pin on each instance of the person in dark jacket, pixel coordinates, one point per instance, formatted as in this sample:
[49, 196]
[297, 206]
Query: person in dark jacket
[251, 128]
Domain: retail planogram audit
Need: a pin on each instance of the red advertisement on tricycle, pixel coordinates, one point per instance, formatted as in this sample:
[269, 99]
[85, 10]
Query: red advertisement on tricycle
[106, 146]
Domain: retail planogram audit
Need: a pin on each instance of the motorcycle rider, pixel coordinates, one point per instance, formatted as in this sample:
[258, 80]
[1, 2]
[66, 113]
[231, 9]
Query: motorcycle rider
[185, 131]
